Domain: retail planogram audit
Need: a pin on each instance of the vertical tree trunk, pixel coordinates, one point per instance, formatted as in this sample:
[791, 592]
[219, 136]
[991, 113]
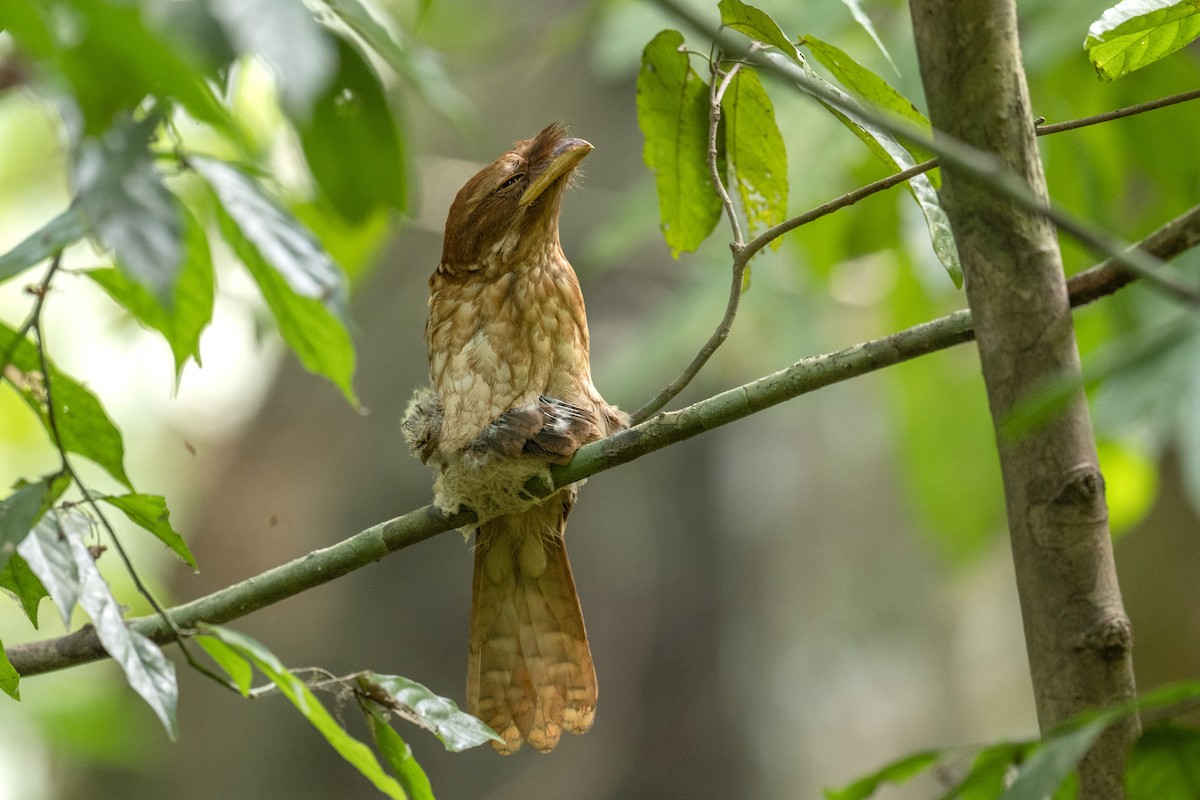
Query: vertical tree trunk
[1077, 635]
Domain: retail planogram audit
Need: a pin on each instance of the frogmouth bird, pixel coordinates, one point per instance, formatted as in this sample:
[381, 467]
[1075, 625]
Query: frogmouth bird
[511, 392]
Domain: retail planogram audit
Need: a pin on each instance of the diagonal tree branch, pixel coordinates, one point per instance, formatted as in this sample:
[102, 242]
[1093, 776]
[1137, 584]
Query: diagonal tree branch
[368, 546]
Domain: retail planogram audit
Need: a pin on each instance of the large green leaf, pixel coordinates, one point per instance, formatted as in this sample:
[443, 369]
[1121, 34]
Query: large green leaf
[114, 59]
[351, 143]
[304, 288]
[192, 306]
[127, 207]
[756, 153]
[349, 748]
[60, 232]
[1136, 33]
[82, 424]
[673, 111]
[456, 729]
[397, 753]
[1164, 765]
[150, 512]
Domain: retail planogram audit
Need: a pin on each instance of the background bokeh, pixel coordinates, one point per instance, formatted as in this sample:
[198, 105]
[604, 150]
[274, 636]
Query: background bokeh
[774, 607]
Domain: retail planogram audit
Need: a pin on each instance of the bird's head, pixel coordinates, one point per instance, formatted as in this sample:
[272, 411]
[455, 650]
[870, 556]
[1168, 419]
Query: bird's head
[507, 215]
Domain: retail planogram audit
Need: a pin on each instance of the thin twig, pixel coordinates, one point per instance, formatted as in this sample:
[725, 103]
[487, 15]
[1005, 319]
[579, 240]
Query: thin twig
[38, 330]
[716, 95]
[367, 547]
[1128, 111]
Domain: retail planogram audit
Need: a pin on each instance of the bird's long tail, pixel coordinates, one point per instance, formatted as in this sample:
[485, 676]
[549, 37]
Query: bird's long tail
[530, 674]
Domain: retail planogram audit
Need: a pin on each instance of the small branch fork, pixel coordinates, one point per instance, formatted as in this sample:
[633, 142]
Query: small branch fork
[743, 252]
[368, 546]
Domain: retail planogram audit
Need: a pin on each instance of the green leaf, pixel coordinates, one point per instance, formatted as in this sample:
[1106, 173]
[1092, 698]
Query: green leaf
[113, 60]
[57, 234]
[236, 667]
[58, 556]
[756, 152]
[1048, 766]
[1136, 33]
[301, 284]
[456, 729]
[869, 87]
[18, 513]
[127, 207]
[756, 24]
[351, 142]
[673, 109]
[17, 578]
[297, 49]
[150, 512]
[895, 772]
[9, 677]
[860, 16]
[349, 748]
[82, 423]
[192, 306]
[989, 770]
[397, 753]
[1163, 765]
[22, 21]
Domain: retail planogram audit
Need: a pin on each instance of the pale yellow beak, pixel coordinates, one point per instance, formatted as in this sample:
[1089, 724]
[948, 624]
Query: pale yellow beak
[567, 154]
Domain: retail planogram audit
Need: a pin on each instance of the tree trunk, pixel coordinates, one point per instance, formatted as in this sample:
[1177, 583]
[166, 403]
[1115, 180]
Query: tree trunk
[1077, 635]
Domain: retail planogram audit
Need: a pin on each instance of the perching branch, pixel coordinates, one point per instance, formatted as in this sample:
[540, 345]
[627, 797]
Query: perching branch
[364, 548]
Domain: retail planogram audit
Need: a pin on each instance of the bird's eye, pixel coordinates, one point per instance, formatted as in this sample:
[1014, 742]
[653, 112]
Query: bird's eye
[512, 180]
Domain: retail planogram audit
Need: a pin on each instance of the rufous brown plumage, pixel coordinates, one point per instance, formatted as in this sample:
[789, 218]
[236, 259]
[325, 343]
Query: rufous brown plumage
[511, 391]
